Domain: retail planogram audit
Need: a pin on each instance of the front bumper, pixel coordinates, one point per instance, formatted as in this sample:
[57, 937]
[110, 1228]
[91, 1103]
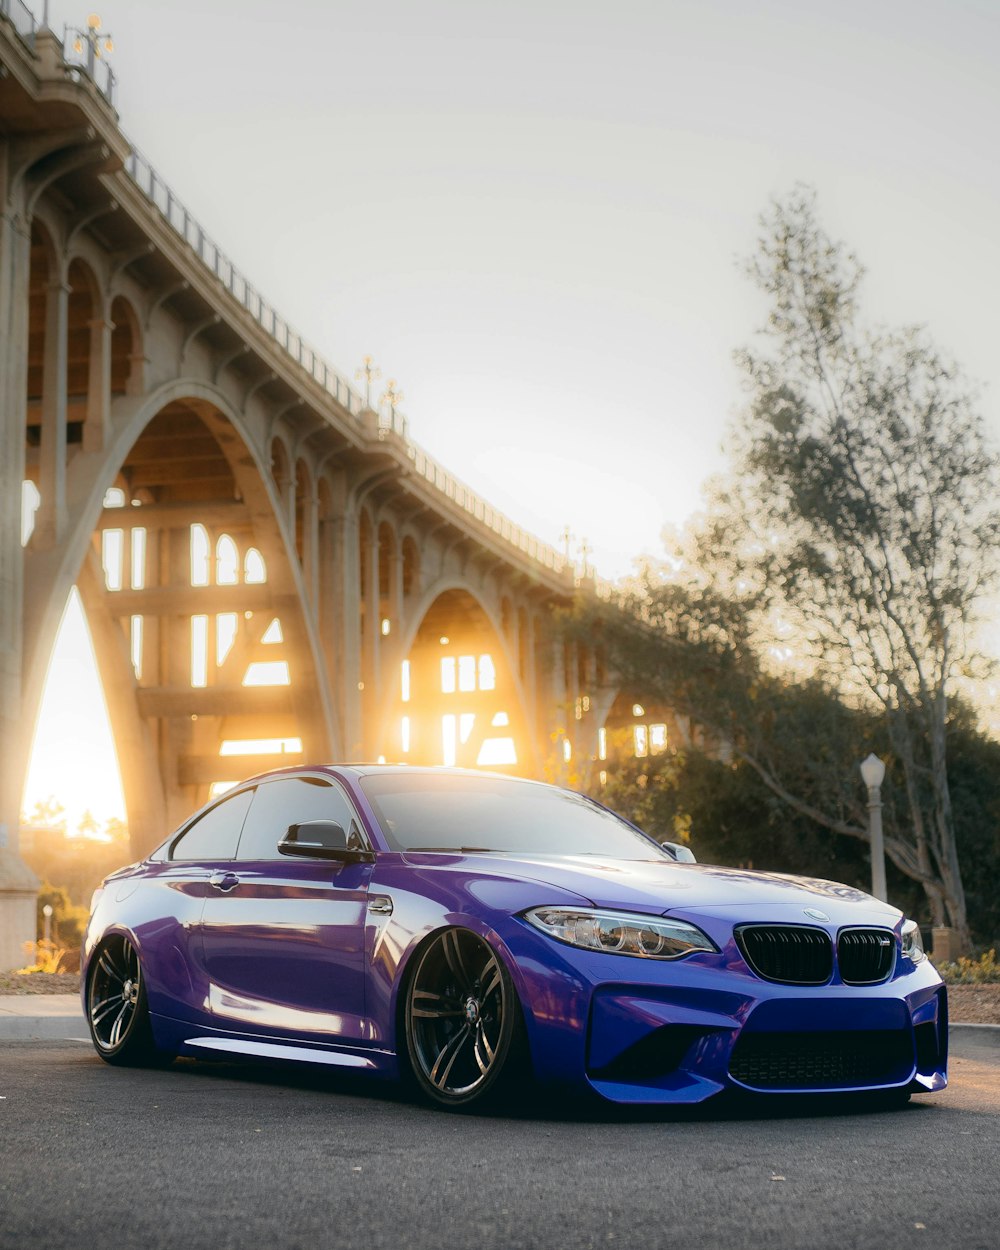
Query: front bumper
[676, 1032]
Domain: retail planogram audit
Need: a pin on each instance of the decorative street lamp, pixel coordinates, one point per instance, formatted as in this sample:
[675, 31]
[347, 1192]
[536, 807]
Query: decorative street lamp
[368, 373]
[873, 774]
[47, 913]
[94, 40]
[391, 400]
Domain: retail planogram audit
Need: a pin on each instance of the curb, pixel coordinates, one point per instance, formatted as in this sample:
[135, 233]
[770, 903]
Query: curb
[42, 1028]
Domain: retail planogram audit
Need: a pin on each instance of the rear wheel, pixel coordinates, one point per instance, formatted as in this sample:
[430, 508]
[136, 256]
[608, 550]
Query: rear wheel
[117, 1011]
[464, 1030]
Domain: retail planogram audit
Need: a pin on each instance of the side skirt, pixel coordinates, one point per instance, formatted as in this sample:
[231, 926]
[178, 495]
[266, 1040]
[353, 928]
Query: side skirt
[190, 1039]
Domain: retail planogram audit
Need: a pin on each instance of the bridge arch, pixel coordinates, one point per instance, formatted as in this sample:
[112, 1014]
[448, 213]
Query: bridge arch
[461, 701]
[225, 476]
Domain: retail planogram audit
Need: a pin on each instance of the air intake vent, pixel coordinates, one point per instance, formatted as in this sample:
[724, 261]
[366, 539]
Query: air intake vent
[822, 1060]
[865, 956]
[792, 954]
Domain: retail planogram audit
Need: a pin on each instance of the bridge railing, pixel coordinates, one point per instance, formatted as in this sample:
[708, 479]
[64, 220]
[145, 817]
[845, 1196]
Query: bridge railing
[180, 218]
[243, 291]
[21, 18]
[81, 54]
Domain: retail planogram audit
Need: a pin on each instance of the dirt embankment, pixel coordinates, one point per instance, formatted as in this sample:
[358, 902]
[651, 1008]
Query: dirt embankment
[974, 1004]
[39, 983]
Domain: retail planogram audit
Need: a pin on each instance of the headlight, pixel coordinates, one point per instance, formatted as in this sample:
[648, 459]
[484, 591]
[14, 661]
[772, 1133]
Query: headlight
[913, 947]
[620, 933]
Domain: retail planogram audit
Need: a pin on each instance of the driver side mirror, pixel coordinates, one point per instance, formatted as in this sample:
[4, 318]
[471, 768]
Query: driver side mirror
[321, 839]
[683, 854]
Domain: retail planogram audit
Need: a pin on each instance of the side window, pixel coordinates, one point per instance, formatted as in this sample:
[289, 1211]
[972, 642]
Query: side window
[292, 801]
[216, 834]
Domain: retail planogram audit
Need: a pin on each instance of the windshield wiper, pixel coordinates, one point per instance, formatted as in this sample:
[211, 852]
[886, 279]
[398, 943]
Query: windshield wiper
[452, 850]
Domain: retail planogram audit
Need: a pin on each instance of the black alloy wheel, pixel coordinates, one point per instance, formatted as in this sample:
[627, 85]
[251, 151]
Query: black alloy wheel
[116, 1006]
[464, 1029]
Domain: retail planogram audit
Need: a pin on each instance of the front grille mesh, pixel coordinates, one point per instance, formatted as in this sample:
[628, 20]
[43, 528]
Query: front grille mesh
[793, 954]
[865, 956]
[822, 1060]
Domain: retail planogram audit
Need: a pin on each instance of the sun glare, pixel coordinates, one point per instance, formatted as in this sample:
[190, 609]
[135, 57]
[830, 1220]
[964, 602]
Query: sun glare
[73, 756]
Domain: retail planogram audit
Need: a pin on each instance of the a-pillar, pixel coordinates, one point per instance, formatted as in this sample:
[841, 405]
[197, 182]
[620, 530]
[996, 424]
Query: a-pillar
[18, 885]
[51, 518]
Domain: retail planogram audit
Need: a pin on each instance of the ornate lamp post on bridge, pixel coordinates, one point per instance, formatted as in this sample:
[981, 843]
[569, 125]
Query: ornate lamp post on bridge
[873, 773]
[368, 373]
[96, 42]
[392, 400]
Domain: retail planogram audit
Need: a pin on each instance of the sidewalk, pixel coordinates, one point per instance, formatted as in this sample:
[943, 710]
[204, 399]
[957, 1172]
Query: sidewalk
[41, 1017]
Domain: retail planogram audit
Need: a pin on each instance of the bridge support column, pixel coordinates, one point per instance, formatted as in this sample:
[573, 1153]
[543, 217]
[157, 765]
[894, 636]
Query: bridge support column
[18, 885]
[51, 520]
[370, 646]
[97, 427]
[340, 613]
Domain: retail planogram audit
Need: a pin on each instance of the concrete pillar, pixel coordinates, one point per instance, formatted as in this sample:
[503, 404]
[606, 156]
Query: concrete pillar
[97, 427]
[18, 885]
[310, 550]
[554, 703]
[370, 647]
[51, 519]
[588, 725]
[342, 625]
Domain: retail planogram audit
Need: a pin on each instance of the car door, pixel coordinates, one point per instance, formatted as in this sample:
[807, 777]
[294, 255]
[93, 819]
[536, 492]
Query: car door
[171, 897]
[282, 937]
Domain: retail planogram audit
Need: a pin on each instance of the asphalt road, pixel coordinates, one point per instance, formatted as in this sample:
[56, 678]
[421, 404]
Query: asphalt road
[217, 1155]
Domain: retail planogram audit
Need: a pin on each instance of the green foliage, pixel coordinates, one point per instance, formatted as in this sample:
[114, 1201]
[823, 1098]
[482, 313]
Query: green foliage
[824, 605]
[982, 971]
[68, 920]
[77, 865]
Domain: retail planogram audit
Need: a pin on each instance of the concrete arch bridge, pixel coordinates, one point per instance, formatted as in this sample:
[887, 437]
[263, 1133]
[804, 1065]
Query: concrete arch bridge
[270, 570]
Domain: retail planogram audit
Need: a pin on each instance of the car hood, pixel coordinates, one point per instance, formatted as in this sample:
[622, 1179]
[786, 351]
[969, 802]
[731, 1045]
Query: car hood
[664, 886]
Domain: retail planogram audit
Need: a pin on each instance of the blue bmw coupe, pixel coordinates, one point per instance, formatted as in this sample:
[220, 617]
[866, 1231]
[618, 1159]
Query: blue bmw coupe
[463, 931]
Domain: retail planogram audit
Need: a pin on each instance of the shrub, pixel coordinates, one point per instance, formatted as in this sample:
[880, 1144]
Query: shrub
[982, 971]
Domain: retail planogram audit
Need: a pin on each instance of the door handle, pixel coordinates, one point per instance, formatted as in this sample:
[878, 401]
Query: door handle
[224, 881]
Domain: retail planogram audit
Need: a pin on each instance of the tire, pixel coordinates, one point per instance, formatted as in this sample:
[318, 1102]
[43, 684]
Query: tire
[465, 1037]
[117, 1009]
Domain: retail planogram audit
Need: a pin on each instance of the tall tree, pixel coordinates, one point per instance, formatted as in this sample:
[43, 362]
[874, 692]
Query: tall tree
[851, 543]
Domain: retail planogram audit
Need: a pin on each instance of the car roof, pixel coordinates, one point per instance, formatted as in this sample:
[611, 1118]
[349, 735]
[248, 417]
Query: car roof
[358, 770]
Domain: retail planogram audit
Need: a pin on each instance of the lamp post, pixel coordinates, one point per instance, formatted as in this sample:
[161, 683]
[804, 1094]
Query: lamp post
[94, 40]
[47, 913]
[391, 400]
[873, 773]
[368, 373]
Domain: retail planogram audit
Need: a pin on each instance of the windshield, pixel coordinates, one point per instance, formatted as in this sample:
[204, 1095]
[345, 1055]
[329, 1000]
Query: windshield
[424, 811]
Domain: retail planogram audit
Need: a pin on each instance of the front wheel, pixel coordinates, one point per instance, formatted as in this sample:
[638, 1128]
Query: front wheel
[117, 1011]
[464, 1029]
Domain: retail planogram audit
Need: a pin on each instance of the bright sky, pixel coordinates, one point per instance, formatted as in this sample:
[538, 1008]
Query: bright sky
[529, 212]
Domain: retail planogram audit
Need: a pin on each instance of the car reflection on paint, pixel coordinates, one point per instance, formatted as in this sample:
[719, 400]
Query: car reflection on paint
[465, 931]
